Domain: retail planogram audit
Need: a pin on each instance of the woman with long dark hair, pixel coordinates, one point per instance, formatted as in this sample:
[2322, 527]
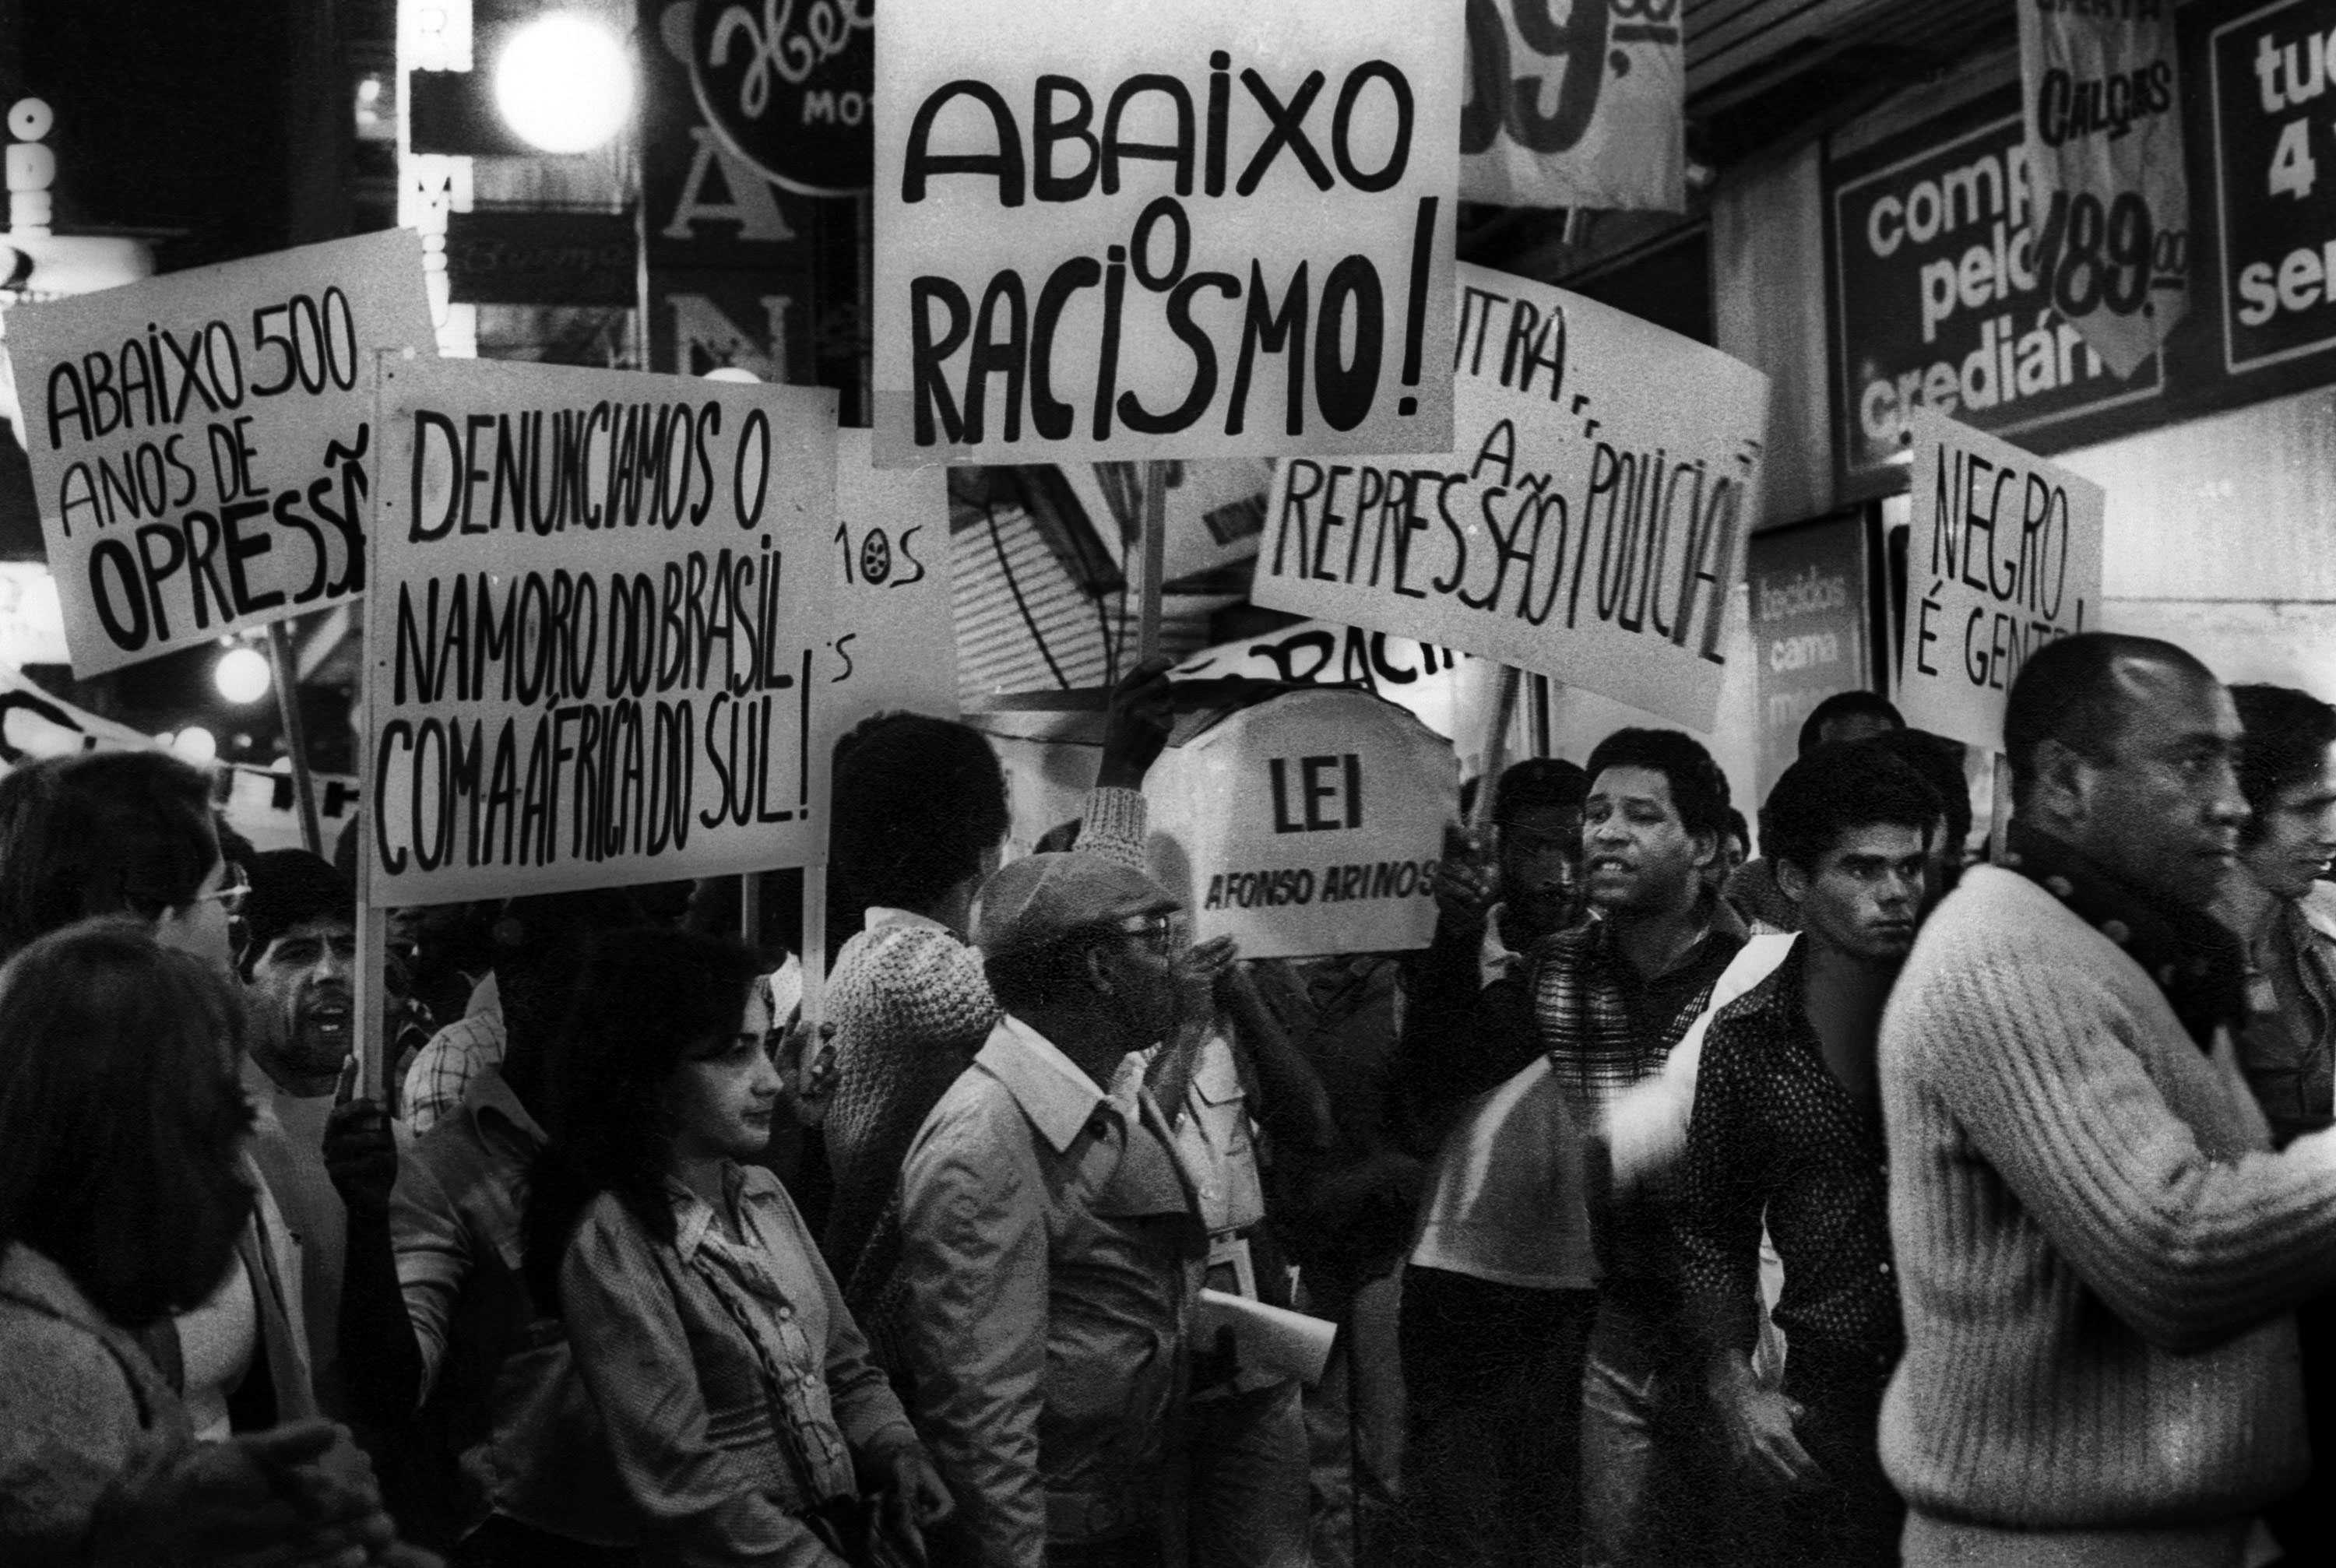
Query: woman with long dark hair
[741, 1405]
[122, 1198]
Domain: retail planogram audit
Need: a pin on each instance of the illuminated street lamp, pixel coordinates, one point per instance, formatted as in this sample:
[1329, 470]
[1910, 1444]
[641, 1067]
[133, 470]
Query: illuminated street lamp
[564, 83]
[242, 674]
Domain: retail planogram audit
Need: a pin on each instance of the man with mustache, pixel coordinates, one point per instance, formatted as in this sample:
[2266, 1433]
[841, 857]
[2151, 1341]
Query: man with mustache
[2097, 1252]
[299, 964]
[1788, 1125]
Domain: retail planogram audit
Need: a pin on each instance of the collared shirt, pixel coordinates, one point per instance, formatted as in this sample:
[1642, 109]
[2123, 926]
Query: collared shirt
[77, 1396]
[1050, 1252]
[1606, 1028]
[2287, 1048]
[443, 1070]
[735, 1388]
[496, 1368]
[1777, 1133]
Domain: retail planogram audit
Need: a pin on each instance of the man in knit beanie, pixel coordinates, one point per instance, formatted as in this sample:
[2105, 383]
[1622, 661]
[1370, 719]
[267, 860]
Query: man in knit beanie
[2097, 1250]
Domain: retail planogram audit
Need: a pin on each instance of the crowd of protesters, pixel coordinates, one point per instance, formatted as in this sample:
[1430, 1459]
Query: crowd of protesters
[1872, 1197]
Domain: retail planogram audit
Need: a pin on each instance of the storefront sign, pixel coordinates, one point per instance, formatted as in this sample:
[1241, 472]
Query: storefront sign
[1588, 526]
[588, 662]
[790, 87]
[1938, 301]
[201, 443]
[1112, 228]
[1310, 824]
[2004, 556]
[1575, 103]
[2274, 163]
[542, 258]
[1809, 629]
[2105, 172]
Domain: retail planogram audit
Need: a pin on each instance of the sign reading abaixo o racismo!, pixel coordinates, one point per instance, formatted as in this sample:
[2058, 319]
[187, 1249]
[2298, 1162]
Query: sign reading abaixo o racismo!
[1115, 228]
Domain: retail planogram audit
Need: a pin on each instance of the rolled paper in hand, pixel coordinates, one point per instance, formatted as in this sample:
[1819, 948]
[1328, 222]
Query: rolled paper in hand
[1268, 1338]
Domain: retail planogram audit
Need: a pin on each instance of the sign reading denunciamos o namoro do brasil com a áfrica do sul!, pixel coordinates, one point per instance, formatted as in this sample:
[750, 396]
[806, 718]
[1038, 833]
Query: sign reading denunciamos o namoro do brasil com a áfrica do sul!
[1114, 229]
[601, 633]
[1590, 525]
[2005, 556]
[201, 443]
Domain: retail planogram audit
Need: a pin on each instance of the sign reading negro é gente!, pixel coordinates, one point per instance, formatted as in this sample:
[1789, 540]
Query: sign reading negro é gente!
[2004, 556]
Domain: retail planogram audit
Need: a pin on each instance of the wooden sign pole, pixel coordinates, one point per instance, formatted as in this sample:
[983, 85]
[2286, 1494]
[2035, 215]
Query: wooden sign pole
[295, 736]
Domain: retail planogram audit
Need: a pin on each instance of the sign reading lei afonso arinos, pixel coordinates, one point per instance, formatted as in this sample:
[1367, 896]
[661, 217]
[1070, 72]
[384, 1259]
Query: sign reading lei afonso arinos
[595, 653]
[2005, 556]
[1124, 228]
[201, 443]
[1591, 524]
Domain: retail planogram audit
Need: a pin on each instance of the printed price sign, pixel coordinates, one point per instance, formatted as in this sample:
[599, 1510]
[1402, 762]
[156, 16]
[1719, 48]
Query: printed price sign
[201, 443]
[2104, 161]
[1589, 526]
[2005, 556]
[2276, 181]
[1114, 229]
[1586, 109]
[599, 650]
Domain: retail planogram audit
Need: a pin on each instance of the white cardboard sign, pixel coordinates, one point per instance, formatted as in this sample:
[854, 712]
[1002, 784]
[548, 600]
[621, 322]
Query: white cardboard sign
[2004, 556]
[200, 443]
[596, 652]
[1310, 824]
[1589, 525]
[1124, 228]
[893, 643]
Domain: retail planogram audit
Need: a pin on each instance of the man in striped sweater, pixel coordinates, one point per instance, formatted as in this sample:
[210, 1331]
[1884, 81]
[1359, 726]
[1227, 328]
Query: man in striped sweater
[2098, 1249]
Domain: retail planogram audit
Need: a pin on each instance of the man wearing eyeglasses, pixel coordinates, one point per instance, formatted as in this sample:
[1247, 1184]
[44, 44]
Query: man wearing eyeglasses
[1050, 1235]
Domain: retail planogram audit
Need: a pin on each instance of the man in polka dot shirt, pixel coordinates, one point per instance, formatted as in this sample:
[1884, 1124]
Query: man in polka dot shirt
[1787, 1127]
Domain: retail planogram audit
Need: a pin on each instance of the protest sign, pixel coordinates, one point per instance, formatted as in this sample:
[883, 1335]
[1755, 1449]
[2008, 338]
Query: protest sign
[1112, 228]
[2106, 182]
[1588, 524]
[1417, 676]
[592, 657]
[2005, 556]
[1309, 823]
[201, 443]
[893, 643]
[1586, 110]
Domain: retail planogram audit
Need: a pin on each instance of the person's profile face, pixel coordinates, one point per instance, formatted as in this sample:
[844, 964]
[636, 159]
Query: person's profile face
[2295, 835]
[1865, 896]
[202, 926]
[1541, 865]
[2164, 811]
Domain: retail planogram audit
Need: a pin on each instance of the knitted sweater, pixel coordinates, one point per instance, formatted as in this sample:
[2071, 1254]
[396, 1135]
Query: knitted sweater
[910, 1006]
[2096, 1252]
